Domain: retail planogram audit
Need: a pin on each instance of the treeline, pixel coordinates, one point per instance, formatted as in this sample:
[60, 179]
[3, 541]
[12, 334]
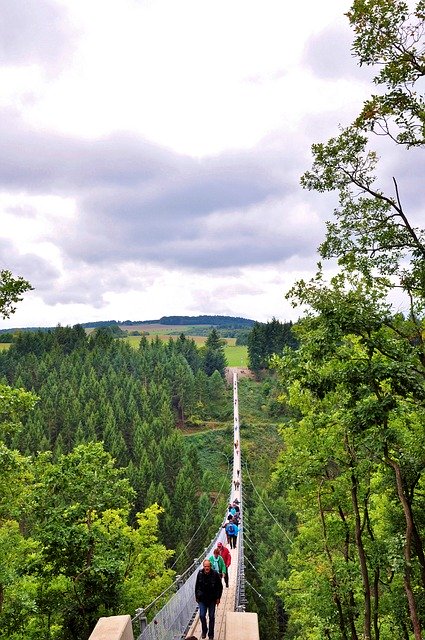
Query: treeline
[213, 321]
[7, 337]
[98, 447]
[267, 339]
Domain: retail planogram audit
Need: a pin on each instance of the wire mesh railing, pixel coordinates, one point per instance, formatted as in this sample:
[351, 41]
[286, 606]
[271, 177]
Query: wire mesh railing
[240, 597]
[174, 617]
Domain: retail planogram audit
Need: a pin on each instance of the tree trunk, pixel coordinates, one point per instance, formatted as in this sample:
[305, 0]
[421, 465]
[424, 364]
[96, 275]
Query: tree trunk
[376, 576]
[407, 546]
[362, 559]
[335, 585]
[376, 600]
[351, 601]
[419, 549]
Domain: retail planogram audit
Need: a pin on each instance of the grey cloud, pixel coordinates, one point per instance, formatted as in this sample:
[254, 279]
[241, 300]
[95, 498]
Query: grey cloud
[84, 284]
[78, 291]
[169, 225]
[139, 203]
[28, 265]
[328, 56]
[218, 242]
[33, 32]
[42, 162]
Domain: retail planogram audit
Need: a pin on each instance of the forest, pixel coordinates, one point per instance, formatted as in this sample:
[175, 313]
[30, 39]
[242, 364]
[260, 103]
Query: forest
[110, 455]
[98, 450]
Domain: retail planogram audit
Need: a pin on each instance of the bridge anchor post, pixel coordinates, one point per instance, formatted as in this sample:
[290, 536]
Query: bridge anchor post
[143, 621]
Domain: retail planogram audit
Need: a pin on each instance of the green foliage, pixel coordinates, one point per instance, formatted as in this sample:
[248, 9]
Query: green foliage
[77, 508]
[352, 469]
[7, 338]
[213, 321]
[15, 404]
[74, 556]
[266, 339]
[11, 292]
[213, 354]
[242, 337]
[390, 35]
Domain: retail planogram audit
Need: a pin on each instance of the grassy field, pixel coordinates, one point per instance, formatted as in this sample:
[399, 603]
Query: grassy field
[236, 356]
[157, 329]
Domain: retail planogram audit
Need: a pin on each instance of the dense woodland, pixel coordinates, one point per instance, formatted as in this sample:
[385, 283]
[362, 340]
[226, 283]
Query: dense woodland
[334, 511]
[267, 339]
[97, 448]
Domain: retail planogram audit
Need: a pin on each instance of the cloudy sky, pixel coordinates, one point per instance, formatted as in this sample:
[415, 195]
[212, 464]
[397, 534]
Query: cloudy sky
[150, 152]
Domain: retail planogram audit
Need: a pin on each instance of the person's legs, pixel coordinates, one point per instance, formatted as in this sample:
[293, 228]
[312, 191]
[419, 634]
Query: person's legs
[203, 618]
[226, 577]
[211, 619]
[234, 541]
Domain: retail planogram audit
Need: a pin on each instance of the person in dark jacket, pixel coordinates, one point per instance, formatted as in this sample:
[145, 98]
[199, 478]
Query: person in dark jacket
[208, 590]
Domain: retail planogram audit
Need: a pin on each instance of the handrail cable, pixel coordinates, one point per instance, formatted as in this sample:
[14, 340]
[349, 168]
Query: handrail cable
[249, 561]
[254, 589]
[179, 578]
[266, 507]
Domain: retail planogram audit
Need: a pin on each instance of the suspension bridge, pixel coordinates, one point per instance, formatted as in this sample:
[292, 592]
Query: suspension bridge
[178, 618]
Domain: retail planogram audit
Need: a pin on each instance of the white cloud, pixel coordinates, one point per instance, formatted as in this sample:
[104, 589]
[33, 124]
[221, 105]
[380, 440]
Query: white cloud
[150, 153]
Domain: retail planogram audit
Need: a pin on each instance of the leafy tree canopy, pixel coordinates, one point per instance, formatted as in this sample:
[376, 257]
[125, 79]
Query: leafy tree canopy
[353, 466]
[12, 289]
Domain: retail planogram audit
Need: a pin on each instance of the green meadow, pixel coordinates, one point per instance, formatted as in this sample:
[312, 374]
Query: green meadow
[236, 356]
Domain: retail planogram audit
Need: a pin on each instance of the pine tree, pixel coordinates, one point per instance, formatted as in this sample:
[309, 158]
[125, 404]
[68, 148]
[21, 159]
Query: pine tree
[214, 357]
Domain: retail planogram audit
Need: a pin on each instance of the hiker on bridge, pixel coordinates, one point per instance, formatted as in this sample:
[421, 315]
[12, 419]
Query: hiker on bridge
[208, 590]
[232, 531]
[217, 563]
[225, 554]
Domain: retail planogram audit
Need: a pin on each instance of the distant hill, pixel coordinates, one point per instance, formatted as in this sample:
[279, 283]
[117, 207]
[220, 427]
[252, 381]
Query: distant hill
[214, 321]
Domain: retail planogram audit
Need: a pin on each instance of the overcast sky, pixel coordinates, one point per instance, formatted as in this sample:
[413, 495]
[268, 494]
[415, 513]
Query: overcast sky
[151, 150]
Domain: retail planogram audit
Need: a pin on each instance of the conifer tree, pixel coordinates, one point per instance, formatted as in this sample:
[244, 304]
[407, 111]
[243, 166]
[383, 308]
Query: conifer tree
[213, 354]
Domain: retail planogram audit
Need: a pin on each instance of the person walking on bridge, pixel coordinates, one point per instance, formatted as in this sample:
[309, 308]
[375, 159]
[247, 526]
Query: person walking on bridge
[217, 563]
[225, 554]
[232, 531]
[208, 590]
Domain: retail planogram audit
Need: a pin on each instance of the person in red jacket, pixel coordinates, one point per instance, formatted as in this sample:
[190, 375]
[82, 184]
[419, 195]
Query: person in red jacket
[225, 554]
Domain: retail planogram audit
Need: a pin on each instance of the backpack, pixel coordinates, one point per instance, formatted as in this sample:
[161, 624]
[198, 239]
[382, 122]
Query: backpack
[230, 529]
